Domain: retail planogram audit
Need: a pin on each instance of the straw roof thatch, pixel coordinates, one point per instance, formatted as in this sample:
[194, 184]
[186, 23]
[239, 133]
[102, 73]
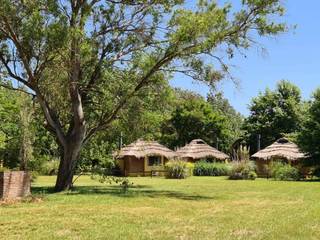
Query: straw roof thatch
[141, 148]
[282, 148]
[198, 149]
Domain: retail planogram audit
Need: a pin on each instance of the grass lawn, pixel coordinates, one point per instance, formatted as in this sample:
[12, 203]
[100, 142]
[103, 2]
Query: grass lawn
[157, 208]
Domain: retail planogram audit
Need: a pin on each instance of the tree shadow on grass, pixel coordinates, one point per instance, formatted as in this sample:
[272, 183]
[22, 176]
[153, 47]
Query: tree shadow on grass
[117, 191]
[310, 180]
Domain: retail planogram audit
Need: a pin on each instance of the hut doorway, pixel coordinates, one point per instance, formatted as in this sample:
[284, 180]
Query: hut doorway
[133, 166]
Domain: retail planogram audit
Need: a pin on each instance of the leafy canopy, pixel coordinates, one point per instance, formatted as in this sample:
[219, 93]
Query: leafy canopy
[309, 136]
[274, 114]
[112, 49]
[195, 118]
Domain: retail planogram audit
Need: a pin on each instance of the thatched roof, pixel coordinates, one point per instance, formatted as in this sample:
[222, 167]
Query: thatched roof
[198, 149]
[282, 148]
[142, 148]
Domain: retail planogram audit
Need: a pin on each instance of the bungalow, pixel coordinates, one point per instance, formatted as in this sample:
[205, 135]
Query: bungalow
[281, 150]
[198, 149]
[143, 158]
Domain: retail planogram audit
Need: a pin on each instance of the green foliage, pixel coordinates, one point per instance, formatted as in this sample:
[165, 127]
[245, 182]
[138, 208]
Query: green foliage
[234, 120]
[3, 169]
[34, 176]
[284, 172]
[243, 170]
[316, 172]
[123, 182]
[203, 168]
[241, 154]
[252, 175]
[16, 131]
[274, 114]
[9, 130]
[97, 155]
[309, 136]
[49, 167]
[195, 118]
[178, 169]
[144, 116]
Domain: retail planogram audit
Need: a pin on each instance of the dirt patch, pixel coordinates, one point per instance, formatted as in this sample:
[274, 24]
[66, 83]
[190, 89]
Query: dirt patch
[29, 199]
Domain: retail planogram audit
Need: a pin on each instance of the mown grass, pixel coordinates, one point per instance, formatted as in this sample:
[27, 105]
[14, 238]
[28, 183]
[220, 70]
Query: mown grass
[157, 208]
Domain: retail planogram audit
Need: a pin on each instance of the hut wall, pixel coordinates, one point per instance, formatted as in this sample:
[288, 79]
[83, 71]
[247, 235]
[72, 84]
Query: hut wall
[14, 184]
[262, 167]
[134, 166]
[159, 168]
[189, 159]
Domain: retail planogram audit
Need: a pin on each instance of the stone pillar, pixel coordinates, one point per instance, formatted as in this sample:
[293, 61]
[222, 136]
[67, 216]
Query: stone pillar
[14, 184]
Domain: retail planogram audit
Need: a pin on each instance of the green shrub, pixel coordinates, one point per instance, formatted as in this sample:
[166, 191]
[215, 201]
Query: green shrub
[243, 170]
[178, 169]
[252, 175]
[49, 168]
[34, 175]
[3, 169]
[203, 168]
[284, 172]
[316, 172]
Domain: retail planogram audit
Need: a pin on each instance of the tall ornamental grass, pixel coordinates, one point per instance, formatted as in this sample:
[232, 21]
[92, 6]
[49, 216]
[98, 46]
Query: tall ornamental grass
[178, 169]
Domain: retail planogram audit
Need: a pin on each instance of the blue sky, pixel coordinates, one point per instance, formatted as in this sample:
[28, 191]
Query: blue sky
[293, 56]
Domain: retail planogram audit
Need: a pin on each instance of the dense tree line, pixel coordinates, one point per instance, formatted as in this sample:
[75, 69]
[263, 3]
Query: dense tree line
[171, 116]
[283, 113]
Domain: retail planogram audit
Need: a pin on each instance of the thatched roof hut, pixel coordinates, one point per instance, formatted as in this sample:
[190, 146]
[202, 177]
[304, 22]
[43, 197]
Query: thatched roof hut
[199, 149]
[143, 158]
[141, 148]
[283, 149]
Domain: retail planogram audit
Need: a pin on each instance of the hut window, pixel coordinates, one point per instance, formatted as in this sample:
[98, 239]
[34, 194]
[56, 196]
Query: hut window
[154, 160]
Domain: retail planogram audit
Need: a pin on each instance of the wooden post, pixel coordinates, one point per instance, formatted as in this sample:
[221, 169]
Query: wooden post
[258, 142]
[120, 141]
[217, 143]
[144, 165]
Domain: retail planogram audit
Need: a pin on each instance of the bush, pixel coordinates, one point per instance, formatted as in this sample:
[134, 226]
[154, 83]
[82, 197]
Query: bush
[178, 169]
[284, 172]
[49, 168]
[203, 168]
[3, 169]
[316, 172]
[252, 175]
[243, 170]
[33, 175]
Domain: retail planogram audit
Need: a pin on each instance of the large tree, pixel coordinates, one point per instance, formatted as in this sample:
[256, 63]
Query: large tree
[274, 114]
[84, 60]
[309, 136]
[195, 118]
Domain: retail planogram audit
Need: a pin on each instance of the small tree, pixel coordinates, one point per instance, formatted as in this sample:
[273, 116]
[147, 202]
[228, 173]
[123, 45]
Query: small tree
[84, 60]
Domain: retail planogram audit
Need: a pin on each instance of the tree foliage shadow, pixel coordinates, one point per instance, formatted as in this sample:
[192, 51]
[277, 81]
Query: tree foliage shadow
[132, 192]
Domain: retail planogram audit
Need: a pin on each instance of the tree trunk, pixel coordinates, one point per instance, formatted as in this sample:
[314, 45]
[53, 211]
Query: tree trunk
[69, 157]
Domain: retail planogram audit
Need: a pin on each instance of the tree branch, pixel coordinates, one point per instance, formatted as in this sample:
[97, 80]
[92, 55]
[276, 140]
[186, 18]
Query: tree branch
[17, 89]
